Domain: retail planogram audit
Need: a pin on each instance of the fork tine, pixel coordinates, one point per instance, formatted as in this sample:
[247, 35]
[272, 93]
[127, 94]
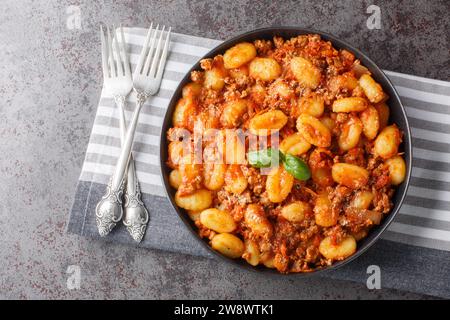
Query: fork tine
[162, 61]
[117, 52]
[126, 62]
[157, 53]
[150, 52]
[143, 51]
[104, 54]
[110, 54]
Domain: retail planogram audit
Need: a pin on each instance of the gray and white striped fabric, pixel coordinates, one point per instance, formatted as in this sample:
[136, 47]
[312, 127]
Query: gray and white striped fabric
[424, 219]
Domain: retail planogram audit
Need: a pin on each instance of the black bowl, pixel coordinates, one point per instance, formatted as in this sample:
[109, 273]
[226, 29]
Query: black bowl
[397, 115]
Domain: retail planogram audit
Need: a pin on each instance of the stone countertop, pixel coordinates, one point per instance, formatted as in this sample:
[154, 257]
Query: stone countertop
[50, 84]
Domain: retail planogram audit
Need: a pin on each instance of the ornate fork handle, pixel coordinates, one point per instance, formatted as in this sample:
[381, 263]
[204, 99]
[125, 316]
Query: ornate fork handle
[109, 210]
[135, 215]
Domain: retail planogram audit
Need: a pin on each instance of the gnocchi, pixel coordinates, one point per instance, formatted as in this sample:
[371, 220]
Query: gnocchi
[183, 114]
[313, 105]
[323, 213]
[352, 104]
[214, 175]
[191, 175]
[191, 90]
[279, 184]
[314, 131]
[339, 251]
[239, 55]
[251, 253]
[350, 175]
[228, 244]
[387, 143]
[397, 169]
[371, 122]
[265, 69]
[176, 152]
[296, 211]
[199, 200]
[217, 220]
[322, 177]
[371, 88]
[267, 123]
[362, 200]
[350, 133]
[305, 72]
[256, 220]
[233, 112]
[295, 144]
[175, 179]
[281, 89]
[233, 146]
[214, 78]
[235, 181]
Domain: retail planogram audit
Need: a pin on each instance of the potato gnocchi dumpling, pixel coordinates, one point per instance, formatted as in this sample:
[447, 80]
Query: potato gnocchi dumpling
[305, 72]
[265, 69]
[256, 220]
[313, 105]
[233, 112]
[323, 213]
[352, 104]
[235, 181]
[175, 178]
[338, 251]
[313, 131]
[387, 142]
[215, 78]
[397, 169]
[228, 244]
[371, 122]
[279, 184]
[214, 175]
[371, 88]
[295, 144]
[362, 200]
[217, 220]
[266, 123]
[296, 211]
[239, 55]
[183, 114]
[251, 253]
[299, 158]
[199, 200]
[350, 175]
[350, 133]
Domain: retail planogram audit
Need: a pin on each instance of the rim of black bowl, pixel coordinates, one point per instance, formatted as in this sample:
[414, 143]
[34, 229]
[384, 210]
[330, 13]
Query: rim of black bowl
[269, 33]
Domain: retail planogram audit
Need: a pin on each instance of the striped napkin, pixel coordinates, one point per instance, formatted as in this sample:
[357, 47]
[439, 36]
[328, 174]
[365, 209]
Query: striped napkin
[414, 254]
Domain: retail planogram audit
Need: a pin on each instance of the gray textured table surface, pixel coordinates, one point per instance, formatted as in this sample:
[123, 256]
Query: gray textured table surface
[50, 81]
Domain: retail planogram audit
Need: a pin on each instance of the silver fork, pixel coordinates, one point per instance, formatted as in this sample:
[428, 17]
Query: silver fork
[118, 82]
[146, 82]
[135, 213]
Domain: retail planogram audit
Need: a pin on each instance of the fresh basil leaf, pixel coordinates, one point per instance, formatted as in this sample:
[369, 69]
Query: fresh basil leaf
[296, 167]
